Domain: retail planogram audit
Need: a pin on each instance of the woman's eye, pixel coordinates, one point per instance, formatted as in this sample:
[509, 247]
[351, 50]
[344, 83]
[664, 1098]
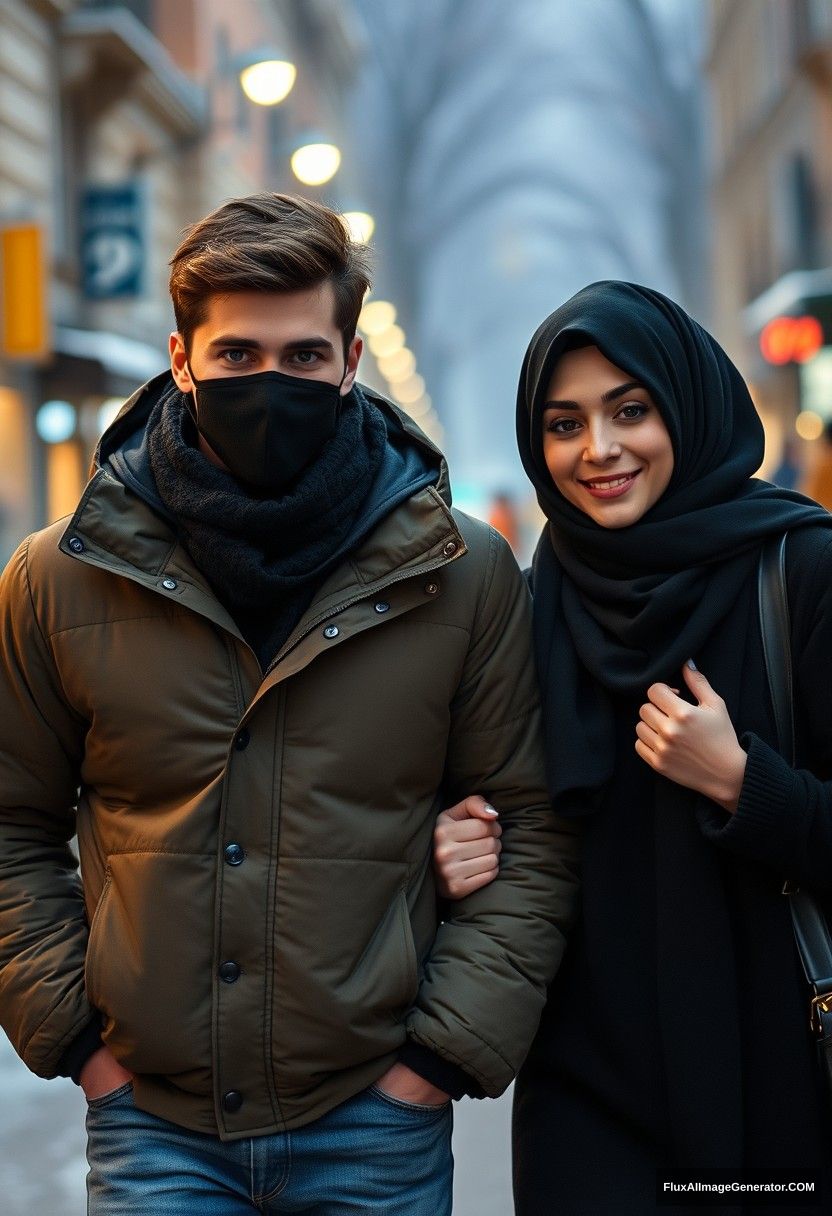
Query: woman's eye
[635, 409]
[563, 426]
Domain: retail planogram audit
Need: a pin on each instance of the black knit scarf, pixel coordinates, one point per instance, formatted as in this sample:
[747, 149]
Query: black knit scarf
[265, 557]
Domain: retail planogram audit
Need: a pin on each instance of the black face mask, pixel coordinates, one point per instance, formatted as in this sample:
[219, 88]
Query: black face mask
[266, 427]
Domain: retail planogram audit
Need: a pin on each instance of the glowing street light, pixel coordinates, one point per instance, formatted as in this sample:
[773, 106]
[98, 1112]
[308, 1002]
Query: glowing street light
[268, 80]
[398, 366]
[388, 341]
[809, 425]
[376, 316]
[55, 421]
[420, 409]
[315, 162]
[410, 390]
[361, 225]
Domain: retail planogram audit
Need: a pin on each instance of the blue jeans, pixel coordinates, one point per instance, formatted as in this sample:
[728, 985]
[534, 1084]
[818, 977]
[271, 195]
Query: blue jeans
[371, 1154]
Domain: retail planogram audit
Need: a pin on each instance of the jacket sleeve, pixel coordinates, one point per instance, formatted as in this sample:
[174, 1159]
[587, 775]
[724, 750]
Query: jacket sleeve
[485, 979]
[43, 929]
[784, 815]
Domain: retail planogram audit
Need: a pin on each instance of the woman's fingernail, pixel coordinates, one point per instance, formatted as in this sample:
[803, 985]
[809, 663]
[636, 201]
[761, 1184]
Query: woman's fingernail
[489, 809]
[692, 665]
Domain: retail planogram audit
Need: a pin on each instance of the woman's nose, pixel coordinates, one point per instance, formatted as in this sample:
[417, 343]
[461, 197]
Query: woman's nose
[601, 445]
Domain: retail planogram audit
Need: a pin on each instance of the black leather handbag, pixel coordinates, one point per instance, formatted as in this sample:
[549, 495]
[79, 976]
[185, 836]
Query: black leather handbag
[811, 931]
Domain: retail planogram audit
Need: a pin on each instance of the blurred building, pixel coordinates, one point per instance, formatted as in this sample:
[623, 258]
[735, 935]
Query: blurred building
[119, 125]
[516, 152]
[770, 64]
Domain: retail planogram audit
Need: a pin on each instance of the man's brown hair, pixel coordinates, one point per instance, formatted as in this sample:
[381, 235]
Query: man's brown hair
[268, 242]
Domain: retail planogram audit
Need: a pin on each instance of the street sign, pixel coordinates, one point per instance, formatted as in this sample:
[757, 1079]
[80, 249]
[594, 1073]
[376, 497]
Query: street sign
[112, 241]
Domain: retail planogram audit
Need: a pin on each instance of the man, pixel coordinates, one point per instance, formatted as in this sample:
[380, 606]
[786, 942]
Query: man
[249, 671]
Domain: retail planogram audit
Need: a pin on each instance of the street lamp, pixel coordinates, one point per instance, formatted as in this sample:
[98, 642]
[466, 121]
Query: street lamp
[266, 78]
[315, 160]
[398, 366]
[376, 316]
[388, 341]
[361, 225]
[55, 421]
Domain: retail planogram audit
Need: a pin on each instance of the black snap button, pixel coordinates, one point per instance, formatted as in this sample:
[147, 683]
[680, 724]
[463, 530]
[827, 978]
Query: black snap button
[450, 549]
[234, 854]
[381, 607]
[229, 973]
[169, 584]
[331, 631]
[76, 545]
[242, 739]
[431, 588]
[232, 1101]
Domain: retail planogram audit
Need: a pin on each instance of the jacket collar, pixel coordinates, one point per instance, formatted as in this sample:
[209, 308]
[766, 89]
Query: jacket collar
[115, 530]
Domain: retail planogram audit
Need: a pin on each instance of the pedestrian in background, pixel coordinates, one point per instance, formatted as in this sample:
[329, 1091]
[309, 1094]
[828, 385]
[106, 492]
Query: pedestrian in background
[243, 670]
[676, 1033]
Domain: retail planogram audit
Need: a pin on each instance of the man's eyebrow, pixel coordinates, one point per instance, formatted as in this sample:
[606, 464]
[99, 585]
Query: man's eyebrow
[312, 343]
[309, 344]
[612, 394]
[231, 340]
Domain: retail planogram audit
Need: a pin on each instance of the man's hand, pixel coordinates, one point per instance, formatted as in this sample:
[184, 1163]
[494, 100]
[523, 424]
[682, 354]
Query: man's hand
[694, 745]
[403, 1083]
[466, 847]
[102, 1073]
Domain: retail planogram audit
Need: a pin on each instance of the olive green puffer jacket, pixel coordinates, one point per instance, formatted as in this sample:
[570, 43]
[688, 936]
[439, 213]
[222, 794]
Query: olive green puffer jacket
[279, 822]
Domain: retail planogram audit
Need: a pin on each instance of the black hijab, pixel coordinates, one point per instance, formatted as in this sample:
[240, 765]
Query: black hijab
[617, 609]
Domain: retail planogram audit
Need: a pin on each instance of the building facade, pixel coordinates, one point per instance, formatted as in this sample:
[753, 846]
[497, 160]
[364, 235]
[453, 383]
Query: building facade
[770, 66]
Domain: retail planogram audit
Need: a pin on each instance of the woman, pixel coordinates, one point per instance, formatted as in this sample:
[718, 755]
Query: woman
[676, 1033]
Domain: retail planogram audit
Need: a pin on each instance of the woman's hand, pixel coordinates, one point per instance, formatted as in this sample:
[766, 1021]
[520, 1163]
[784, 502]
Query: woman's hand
[466, 847]
[693, 745]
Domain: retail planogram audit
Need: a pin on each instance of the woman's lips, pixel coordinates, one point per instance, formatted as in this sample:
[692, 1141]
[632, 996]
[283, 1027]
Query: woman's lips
[610, 487]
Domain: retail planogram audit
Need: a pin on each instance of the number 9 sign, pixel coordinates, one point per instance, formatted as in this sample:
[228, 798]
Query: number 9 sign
[112, 245]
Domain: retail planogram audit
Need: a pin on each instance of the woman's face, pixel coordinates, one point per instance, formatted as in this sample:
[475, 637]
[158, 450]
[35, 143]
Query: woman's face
[604, 442]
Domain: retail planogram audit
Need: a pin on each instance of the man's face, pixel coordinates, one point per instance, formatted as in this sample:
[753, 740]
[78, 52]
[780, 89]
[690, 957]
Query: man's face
[292, 332]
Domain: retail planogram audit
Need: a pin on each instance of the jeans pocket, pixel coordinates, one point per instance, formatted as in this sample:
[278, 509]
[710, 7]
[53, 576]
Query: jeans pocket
[109, 1099]
[419, 1109]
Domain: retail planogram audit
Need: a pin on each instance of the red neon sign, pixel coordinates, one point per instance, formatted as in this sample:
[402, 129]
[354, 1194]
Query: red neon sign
[791, 339]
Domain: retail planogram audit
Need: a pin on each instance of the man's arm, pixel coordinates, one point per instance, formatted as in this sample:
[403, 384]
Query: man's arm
[43, 928]
[485, 979]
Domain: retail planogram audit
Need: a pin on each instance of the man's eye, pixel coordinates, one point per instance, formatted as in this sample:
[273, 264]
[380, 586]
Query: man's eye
[306, 356]
[234, 355]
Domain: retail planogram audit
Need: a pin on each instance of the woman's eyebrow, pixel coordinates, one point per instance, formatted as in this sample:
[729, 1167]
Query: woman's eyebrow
[612, 394]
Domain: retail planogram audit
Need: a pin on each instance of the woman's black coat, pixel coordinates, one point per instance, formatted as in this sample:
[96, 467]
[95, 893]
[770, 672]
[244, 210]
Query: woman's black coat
[611, 1091]
[677, 1031]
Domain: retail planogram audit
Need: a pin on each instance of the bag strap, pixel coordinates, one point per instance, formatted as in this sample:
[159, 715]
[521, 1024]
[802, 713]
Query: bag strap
[814, 942]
